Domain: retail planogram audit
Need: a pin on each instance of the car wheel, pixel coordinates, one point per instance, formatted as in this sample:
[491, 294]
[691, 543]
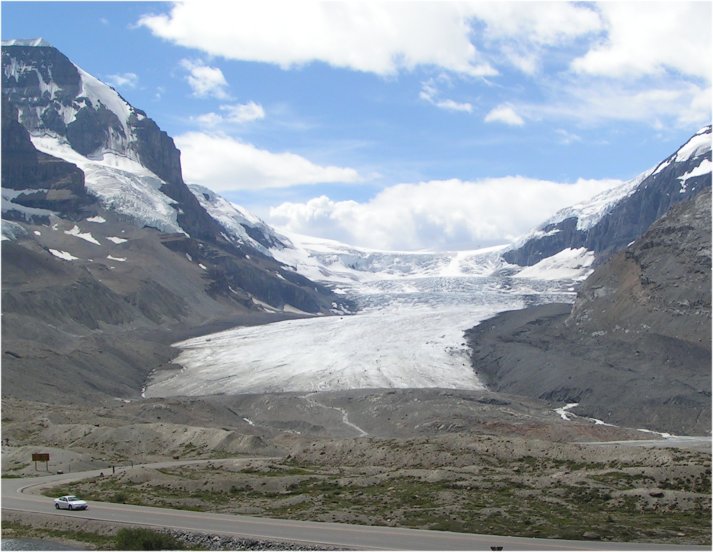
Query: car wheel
[56, 506]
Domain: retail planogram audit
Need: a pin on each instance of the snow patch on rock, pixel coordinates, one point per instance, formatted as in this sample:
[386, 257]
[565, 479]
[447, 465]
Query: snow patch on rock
[63, 255]
[572, 264]
[86, 236]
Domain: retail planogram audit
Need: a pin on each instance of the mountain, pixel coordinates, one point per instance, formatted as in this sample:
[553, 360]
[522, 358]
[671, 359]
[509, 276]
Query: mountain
[615, 218]
[107, 255]
[635, 349]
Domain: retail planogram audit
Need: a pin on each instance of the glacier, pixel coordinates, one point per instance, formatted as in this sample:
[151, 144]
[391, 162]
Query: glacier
[408, 332]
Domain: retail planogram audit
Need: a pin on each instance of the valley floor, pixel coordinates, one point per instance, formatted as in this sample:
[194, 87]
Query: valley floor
[432, 450]
[471, 461]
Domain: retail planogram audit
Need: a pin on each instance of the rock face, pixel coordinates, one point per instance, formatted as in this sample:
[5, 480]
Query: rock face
[635, 350]
[93, 294]
[46, 182]
[45, 93]
[661, 284]
[52, 95]
[616, 218]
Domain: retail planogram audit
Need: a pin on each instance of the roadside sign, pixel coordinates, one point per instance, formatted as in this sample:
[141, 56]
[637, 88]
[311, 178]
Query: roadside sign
[41, 457]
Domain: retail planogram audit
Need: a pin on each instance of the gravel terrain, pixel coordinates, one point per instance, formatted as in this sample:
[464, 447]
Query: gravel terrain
[472, 461]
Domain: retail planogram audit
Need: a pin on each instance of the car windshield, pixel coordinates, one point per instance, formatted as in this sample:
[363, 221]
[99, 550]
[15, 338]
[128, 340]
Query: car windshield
[72, 498]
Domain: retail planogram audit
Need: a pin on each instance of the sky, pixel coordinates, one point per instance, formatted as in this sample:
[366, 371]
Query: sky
[396, 124]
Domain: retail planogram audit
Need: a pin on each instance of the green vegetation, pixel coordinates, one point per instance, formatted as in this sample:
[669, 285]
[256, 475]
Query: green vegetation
[12, 529]
[124, 539]
[145, 539]
[666, 502]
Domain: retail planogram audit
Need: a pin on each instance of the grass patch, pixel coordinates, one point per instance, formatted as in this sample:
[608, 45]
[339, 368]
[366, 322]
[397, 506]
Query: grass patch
[13, 529]
[528, 496]
[145, 539]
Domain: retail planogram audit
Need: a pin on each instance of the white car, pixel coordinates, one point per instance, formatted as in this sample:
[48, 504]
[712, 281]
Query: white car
[69, 502]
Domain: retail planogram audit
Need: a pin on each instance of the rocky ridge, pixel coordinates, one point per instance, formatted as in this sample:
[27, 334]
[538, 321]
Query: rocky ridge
[612, 220]
[635, 349]
[93, 294]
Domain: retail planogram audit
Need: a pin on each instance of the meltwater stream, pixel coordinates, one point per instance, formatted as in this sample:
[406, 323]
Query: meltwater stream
[408, 334]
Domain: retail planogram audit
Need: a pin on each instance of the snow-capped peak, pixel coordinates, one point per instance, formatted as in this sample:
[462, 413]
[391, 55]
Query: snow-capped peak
[33, 42]
[56, 97]
[699, 144]
[590, 212]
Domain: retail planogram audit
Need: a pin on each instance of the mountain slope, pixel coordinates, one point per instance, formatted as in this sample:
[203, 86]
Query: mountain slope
[615, 218]
[131, 168]
[105, 248]
[635, 349]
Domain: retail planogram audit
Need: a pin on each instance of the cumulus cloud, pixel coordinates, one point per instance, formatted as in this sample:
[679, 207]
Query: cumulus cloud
[650, 38]
[126, 80]
[204, 80]
[544, 23]
[637, 45]
[504, 114]
[376, 37]
[222, 163]
[439, 215]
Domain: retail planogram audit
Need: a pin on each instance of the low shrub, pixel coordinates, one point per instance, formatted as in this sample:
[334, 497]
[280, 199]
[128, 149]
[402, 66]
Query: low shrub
[145, 539]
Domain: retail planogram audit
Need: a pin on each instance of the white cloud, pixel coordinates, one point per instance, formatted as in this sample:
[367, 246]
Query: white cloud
[442, 214]
[205, 80]
[452, 105]
[650, 39]
[504, 114]
[377, 37]
[223, 163]
[127, 80]
[522, 33]
[243, 113]
[430, 93]
[566, 138]
[232, 113]
[678, 103]
[542, 23]
[208, 119]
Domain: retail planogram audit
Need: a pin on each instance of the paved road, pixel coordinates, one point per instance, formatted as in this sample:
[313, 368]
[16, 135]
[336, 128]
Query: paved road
[21, 494]
[702, 443]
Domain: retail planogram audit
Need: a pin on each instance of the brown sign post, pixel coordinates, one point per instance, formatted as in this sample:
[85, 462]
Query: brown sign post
[41, 457]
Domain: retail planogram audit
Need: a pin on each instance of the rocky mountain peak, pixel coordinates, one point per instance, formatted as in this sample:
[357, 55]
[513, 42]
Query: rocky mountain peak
[610, 221]
[57, 99]
[75, 150]
[36, 42]
[54, 96]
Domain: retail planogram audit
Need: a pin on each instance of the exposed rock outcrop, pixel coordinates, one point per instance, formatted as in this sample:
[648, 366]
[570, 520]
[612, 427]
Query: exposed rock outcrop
[635, 349]
[46, 182]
